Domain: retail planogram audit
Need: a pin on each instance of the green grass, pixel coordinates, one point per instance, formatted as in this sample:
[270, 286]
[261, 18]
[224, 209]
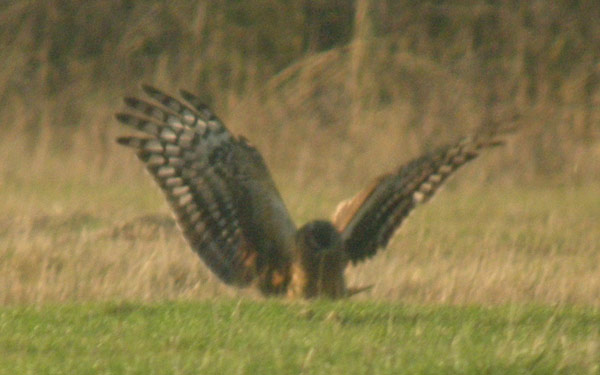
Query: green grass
[267, 337]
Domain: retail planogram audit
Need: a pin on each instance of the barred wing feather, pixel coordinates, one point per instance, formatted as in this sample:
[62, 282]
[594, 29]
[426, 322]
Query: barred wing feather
[369, 220]
[215, 184]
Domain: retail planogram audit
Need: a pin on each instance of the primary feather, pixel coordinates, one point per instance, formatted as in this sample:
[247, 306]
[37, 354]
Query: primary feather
[369, 220]
[210, 179]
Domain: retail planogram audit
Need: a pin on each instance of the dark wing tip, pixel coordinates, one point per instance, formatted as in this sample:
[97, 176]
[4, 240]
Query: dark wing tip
[123, 117]
[191, 98]
[151, 90]
[187, 95]
[133, 141]
[197, 103]
[127, 141]
[489, 142]
[131, 101]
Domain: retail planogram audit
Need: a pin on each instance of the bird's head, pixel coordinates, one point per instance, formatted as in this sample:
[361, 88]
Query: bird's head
[319, 236]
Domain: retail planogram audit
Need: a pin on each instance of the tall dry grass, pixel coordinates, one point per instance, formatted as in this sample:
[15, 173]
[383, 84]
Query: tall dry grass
[403, 78]
[473, 245]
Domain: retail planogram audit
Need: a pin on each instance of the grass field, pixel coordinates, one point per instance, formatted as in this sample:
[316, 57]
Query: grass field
[488, 278]
[271, 337]
[495, 279]
[75, 240]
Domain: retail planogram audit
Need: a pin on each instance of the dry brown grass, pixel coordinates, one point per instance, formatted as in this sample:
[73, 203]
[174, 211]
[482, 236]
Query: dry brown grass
[472, 245]
[503, 247]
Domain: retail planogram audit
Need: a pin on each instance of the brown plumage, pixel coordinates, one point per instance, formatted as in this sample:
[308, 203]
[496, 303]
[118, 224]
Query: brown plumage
[233, 217]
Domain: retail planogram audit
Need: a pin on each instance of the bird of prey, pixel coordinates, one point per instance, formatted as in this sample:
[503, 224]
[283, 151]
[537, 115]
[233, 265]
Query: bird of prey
[232, 215]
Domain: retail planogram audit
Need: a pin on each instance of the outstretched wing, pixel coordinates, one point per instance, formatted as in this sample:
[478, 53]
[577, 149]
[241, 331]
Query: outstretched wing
[218, 186]
[368, 220]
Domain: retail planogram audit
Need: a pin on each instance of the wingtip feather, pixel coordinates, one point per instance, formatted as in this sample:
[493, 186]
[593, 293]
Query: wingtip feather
[123, 141]
[149, 89]
[187, 95]
[196, 102]
[132, 142]
[123, 117]
[130, 101]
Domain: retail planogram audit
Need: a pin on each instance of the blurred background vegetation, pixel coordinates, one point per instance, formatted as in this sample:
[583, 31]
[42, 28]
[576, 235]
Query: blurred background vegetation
[336, 88]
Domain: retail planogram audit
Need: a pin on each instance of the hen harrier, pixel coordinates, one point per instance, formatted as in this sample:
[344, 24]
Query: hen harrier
[233, 217]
